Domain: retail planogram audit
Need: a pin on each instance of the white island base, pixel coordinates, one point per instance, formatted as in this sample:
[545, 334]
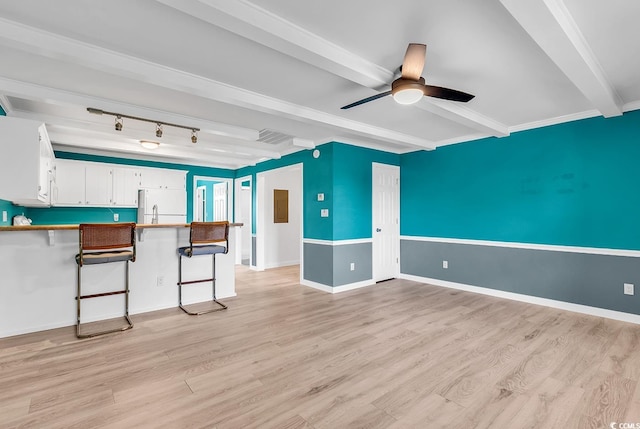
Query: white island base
[38, 286]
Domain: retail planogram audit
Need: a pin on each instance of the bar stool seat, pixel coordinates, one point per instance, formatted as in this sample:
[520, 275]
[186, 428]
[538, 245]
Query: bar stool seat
[103, 244]
[202, 235]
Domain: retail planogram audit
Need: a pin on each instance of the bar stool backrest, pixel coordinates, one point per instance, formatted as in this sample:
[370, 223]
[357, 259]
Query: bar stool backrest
[208, 232]
[102, 236]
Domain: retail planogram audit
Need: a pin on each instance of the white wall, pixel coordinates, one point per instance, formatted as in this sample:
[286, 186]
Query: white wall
[282, 240]
[38, 285]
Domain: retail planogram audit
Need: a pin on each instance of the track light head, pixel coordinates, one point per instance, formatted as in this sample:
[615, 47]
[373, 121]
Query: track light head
[194, 136]
[158, 130]
[118, 123]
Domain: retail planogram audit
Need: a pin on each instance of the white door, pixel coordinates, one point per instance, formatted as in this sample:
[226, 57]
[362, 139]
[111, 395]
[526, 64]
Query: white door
[386, 221]
[201, 204]
[220, 201]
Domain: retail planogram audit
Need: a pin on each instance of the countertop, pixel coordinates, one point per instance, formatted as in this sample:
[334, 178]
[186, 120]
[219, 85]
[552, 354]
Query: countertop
[72, 227]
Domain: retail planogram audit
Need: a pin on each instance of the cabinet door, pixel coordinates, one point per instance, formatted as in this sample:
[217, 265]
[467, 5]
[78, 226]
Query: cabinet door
[99, 185]
[69, 183]
[126, 182]
[151, 178]
[45, 165]
[175, 179]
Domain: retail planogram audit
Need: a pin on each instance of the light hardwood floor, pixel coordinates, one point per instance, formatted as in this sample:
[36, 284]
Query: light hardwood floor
[395, 355]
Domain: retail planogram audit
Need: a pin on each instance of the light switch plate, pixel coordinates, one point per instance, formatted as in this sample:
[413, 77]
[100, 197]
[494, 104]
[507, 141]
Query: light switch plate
[628, 289]
[321, 197]
[116, 217]
[324, 212]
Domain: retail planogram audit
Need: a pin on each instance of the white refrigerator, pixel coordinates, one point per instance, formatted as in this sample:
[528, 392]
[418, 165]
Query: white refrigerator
[162, 206]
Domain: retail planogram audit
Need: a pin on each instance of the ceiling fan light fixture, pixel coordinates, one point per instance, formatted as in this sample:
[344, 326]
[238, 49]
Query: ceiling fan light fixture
[408, 96]
[407, 91]
[148, 144]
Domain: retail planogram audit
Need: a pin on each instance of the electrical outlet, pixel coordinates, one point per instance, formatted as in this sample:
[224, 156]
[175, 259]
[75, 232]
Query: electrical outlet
[324, 212]
[321, 197]
[628, 289]
[445, 264]
[160, 281]
[116, 217]
[4, 216]
[353, 266]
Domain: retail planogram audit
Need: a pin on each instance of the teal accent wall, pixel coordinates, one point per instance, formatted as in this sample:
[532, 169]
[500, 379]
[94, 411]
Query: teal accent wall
[73, 215]
[11, 211]
[343, 174]
[353, 188]
[76, 215]
[571, 184]
[2, 112]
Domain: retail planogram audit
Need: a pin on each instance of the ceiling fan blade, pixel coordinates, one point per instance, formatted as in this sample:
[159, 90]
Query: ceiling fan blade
[414, 61]
[446, 93]
[366, 100]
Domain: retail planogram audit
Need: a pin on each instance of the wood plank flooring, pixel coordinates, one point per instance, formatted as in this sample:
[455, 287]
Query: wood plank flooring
[396, 355]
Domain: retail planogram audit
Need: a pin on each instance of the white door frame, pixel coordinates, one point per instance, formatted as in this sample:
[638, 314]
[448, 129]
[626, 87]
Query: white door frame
[261, 216]
[201, 200]
[247, 228]
[229, 183]
[395, 251]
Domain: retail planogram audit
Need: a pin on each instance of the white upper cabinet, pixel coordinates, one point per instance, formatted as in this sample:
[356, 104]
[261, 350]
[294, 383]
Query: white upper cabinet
[95, 184]
[26, 162]
[69, 189]
[98, 185]
[155, 178]
[126, 182]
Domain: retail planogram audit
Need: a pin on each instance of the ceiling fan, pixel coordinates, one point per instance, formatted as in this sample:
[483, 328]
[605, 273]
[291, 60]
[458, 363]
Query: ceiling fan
[410, 86]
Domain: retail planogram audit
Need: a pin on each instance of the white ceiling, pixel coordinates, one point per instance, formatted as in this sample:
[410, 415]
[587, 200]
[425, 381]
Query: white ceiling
[233, 68]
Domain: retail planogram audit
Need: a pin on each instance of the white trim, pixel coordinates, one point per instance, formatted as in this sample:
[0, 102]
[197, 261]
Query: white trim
[633, 105]
[530, 246]
[554, 121]
[337, 289]
[561, 305]
[282, 264]
[352, 286]
[337, 242]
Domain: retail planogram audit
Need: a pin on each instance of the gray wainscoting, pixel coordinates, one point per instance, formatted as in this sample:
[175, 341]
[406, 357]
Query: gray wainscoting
[253, 251]
[331, 265]
[579, 278]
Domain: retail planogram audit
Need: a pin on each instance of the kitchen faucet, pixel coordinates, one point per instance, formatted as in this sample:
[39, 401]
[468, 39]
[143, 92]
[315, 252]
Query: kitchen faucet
[154, 218]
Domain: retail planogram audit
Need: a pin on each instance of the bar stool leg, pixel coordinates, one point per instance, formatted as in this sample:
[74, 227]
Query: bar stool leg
[215, 298]
[78, 302]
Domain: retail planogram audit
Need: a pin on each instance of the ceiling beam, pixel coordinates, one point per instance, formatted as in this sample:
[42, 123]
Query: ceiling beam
[552, 27]
[36, 41]
[261, 26]
[60, 97]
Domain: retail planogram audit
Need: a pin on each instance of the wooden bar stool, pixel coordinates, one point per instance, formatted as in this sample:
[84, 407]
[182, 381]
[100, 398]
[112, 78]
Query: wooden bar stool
[102, 244]
[202, 235]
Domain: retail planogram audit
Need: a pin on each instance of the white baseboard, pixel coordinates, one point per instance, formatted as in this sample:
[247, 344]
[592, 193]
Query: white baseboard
[337, 289]
[282, 264]
[562, 305]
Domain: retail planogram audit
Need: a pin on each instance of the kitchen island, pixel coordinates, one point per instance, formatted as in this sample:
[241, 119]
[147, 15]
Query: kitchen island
[38, 276]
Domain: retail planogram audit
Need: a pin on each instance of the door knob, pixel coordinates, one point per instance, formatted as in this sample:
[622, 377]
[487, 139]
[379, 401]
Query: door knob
[378, 230]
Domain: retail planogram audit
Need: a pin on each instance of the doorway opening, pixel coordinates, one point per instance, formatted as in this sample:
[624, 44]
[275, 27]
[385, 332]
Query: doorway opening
[211, 196]
[243, 214]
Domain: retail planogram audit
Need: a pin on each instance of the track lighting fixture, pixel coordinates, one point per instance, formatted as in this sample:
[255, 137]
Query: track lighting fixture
[159, 125]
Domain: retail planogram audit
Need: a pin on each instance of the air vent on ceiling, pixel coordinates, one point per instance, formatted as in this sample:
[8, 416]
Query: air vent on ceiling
[273, 137]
